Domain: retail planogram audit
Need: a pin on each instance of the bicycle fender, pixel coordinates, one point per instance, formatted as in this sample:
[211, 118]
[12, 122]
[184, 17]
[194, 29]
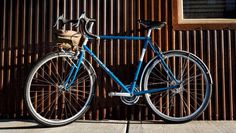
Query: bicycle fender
[167, 52]
[200, 61]
[144, 72]
[90, 67]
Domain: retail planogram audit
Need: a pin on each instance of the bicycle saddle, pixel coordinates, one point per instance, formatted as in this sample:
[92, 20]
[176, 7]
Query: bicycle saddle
[152, 24]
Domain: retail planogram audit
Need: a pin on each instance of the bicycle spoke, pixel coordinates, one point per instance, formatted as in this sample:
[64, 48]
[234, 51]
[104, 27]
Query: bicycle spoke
[60, 79]
[41, 101]
[193, 97]
[68, 107]
[188, 70]
[71, 105]
[185, 104]
[78, 91]
[161, 74]
[159, 77]
[80, 80]
[42, 85]
[191, 78]
[182, 72]
[191, 106]
[38, 95]
[44, 81]
[49, 106]
[162, 96]
[196, 94]
[77, 101]
[48, 76]
[79, 86]
[160, 80]
[66, 110]
[170, 106]
[44, 100]
[158, 83]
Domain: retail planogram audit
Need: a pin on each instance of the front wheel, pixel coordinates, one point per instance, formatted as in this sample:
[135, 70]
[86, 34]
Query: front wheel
[48, 101]
[190, 99]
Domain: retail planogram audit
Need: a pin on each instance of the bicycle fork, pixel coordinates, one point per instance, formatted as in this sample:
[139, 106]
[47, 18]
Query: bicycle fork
[73, 71]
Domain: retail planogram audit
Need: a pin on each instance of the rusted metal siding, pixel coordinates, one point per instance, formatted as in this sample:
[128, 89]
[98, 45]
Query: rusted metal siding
[26, 36]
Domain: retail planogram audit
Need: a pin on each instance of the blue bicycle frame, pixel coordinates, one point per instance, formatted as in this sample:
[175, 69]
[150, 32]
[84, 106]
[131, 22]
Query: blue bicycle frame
[147, 42]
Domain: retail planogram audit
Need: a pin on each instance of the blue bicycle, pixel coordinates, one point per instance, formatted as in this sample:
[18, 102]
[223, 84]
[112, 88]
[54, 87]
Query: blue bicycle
[60, 87]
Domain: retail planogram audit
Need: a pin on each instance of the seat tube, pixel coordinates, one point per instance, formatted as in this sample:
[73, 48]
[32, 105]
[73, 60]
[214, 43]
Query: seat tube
[149, 33]
[140, 64]
[147, 41]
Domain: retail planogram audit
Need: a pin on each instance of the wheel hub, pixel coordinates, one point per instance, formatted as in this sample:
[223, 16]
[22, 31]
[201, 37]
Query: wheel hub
[178, 90]
[61, 88]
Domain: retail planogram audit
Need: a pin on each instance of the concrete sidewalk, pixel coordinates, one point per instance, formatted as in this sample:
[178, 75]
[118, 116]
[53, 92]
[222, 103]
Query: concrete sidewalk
[17, 126]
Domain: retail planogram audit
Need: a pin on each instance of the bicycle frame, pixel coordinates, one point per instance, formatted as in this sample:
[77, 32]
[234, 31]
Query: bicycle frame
[130, 90]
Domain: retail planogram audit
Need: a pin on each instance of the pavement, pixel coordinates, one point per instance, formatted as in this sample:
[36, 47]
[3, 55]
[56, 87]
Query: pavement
[111, 126]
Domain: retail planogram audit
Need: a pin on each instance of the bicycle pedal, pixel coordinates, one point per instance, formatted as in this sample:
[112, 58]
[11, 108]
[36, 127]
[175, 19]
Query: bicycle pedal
[120, 94]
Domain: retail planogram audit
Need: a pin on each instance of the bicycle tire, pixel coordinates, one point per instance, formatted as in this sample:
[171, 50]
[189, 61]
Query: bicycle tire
[47, 102]
[175, 105]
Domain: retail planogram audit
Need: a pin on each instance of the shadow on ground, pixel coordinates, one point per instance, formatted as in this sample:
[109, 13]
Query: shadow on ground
[31, 124]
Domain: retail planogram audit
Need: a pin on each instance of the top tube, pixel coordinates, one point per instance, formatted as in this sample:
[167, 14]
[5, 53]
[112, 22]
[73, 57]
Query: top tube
[112, 37]
[124, 37]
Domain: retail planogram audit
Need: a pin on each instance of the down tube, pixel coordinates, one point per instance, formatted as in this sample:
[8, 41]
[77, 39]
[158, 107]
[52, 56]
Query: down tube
[106, 69]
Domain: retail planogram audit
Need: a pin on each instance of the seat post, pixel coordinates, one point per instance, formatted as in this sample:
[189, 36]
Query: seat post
[149, 32]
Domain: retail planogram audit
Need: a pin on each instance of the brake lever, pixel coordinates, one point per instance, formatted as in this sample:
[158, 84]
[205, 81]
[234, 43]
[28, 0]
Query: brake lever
[58, 19]
[81, 16]
[77, 24]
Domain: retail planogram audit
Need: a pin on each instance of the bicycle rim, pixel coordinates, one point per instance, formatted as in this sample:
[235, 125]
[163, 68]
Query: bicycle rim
[190, 99]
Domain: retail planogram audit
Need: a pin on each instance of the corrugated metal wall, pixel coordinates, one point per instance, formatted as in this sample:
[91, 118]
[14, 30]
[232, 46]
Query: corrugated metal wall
[26, 29]
[217, 49]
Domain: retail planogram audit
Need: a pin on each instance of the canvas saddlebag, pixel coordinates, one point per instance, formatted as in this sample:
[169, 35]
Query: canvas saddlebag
[66, 39]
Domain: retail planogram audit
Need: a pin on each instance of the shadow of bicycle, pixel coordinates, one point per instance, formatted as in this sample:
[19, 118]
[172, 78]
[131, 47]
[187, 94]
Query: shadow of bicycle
[19, 124]
[31, 124]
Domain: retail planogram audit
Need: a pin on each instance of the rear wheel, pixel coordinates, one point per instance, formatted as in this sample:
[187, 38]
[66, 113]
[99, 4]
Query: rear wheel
[189, 100]
[47, 99]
